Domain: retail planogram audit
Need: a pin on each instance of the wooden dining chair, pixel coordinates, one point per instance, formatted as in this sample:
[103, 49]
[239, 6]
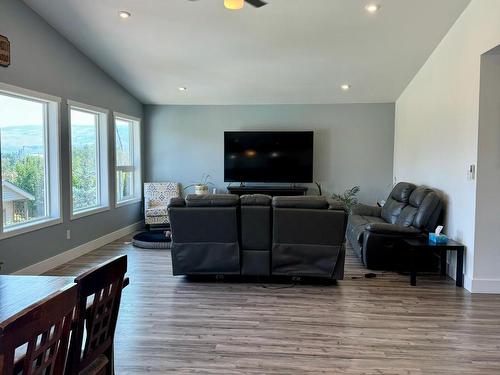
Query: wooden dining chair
[35, 341]
[99, 294]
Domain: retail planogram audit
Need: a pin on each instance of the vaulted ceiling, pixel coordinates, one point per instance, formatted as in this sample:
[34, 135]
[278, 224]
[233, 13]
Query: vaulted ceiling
[289, 51]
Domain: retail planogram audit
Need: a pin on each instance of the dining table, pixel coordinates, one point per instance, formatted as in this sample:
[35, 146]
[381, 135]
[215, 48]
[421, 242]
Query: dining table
[19, 292]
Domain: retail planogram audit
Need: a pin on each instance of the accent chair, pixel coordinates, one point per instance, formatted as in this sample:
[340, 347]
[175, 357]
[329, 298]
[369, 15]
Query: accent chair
[156, 198]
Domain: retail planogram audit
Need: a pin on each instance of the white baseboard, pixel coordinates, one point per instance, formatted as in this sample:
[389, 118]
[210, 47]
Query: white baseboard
[473, 285]
[59, 259]
[491, 286]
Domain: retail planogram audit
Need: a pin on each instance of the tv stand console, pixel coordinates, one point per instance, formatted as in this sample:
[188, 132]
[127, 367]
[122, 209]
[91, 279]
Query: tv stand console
[268, 190]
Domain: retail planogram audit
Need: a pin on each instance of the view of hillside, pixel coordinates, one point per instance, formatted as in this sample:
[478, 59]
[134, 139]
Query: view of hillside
[27, 138]
[23, 164]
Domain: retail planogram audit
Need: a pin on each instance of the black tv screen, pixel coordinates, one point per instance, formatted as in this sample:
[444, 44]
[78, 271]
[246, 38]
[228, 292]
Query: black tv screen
[268, 156]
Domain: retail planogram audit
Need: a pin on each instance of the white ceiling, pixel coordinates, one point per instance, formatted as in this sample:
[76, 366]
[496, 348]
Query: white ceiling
[290, 51]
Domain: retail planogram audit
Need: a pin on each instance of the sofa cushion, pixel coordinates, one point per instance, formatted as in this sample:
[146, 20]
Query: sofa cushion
[402, 191]
[212, 200]
[398, 199]
[357, 224]
[255, 200]
[407, 215]
[428, 212]
[392, 209]
[418, 195]
[157, 211]
[310, 202]
[405, 218]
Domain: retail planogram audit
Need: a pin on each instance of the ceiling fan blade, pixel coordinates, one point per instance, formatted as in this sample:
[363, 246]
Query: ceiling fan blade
[256, 3]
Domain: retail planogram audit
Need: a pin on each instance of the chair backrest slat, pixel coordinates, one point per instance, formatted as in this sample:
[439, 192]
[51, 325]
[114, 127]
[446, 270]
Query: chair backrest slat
[44, 330]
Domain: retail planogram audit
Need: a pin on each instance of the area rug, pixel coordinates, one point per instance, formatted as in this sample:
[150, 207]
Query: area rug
[154, 239]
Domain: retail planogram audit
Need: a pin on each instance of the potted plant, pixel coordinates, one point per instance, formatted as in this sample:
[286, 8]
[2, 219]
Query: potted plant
[348, 197]
[201, 188]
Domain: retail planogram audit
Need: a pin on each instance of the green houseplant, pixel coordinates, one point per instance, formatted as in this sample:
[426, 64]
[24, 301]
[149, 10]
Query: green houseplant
[201, 187]
[349, 197]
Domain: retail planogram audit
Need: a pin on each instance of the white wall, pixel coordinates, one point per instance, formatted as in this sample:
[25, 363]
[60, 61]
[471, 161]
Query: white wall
[487, 250]
[353, 143]
[436, 129]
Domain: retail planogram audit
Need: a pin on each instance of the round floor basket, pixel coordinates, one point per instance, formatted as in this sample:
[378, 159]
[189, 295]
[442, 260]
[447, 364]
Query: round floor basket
[154, 239]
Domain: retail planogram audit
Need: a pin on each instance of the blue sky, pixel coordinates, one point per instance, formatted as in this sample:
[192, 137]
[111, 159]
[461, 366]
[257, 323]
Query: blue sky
[15, 112]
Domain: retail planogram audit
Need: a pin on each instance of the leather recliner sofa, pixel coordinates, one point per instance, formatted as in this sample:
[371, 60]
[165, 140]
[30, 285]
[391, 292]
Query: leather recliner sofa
[375, 233]
[226, 235]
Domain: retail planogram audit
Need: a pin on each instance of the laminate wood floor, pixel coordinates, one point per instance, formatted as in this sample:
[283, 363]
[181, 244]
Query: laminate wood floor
[359, 326]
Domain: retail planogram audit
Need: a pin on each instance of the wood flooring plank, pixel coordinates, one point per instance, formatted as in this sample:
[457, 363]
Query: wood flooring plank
[171, 325]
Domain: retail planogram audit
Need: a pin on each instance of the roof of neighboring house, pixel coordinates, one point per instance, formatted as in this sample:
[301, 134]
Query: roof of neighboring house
[11, 192]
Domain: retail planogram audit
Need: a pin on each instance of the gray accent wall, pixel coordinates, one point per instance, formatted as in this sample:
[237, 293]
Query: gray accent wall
[44, 61]
[353, 143]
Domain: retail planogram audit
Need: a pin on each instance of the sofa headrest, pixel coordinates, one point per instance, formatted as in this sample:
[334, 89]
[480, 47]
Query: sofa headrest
[402, 191]
[212, 200]
[176, 202]
[313, 202]
[428, 212]
[418, 195]
[255, 200]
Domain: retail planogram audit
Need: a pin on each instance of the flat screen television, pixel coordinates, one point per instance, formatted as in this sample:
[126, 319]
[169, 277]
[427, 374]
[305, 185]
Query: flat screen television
[268, 156]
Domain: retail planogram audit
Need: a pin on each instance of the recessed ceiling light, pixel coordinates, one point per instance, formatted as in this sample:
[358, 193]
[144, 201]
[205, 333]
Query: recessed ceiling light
[182, 88]
[345, 87]
[124, 14]
[372, 8]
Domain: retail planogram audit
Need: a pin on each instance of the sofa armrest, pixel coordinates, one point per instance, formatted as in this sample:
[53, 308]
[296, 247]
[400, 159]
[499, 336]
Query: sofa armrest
[365, 210]
[386, 228]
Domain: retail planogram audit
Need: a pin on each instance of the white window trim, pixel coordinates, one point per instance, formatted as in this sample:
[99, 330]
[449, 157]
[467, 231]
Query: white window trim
[103, 145]
[127, 117]
[5, 88]
[52, 162]
[137, 159]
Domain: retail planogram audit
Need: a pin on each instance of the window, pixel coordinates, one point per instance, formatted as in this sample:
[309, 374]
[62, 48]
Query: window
[29, 150]
[89, 159]
[128, 159]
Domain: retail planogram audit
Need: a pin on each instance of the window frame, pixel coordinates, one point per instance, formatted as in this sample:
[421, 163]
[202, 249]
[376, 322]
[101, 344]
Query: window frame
[102, 150]
[137, 167]
[53, 180]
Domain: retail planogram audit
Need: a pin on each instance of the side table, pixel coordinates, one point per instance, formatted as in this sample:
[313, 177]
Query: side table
[421, 244]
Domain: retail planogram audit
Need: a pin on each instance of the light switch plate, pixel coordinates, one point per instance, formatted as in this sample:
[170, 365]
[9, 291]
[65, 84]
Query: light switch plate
[471, 172]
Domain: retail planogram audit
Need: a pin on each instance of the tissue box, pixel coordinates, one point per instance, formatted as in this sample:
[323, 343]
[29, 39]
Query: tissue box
[441, 239]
